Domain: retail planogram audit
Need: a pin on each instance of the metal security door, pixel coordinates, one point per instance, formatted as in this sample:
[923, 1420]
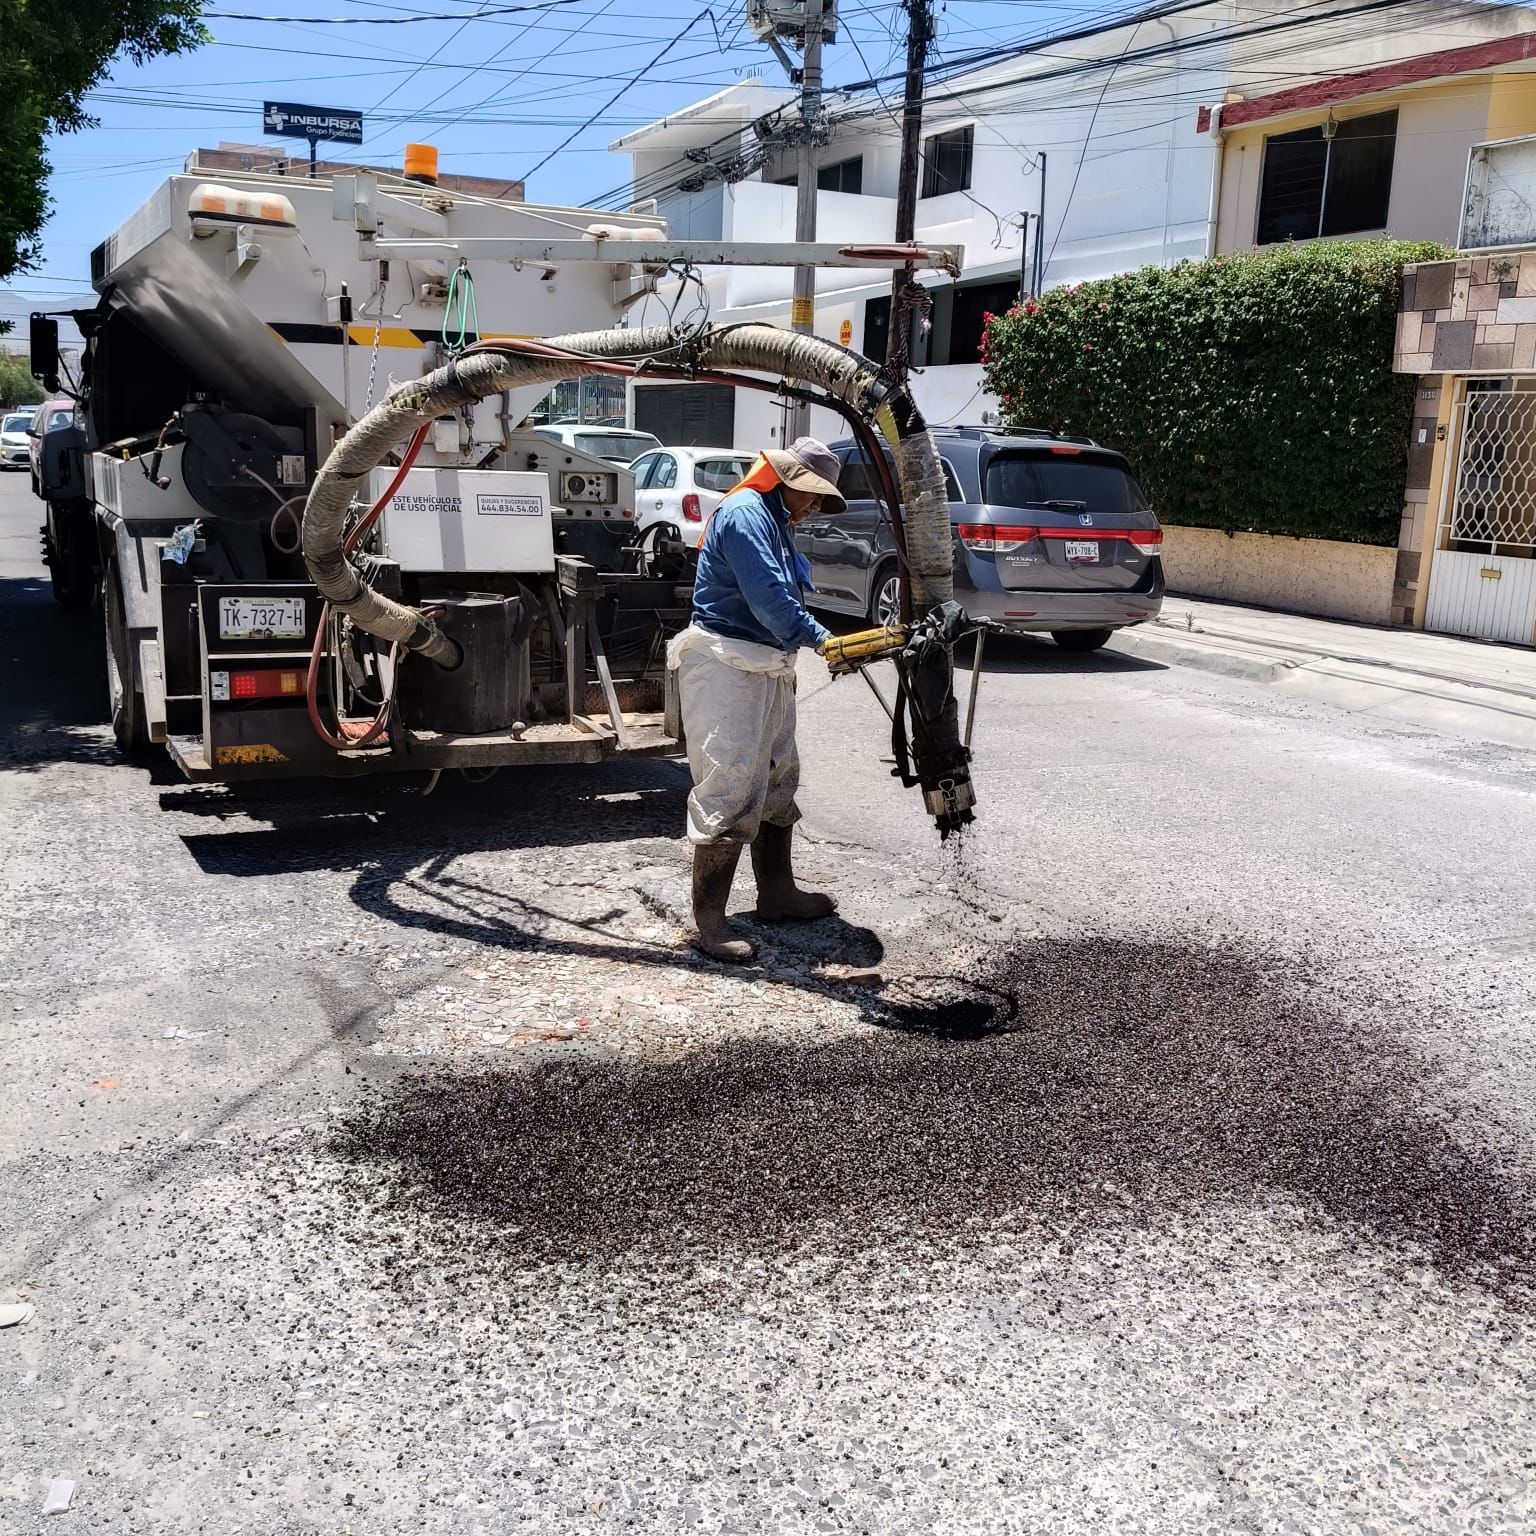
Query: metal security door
[1483, 581]
[687, 415]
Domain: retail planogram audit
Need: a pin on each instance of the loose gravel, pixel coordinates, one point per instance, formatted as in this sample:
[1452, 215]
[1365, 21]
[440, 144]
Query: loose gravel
[1110, 1078]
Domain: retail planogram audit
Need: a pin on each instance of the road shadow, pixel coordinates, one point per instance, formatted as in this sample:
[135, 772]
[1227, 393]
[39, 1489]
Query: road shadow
[402, 850]
[53, 708]
[1142, 1080]
[388, 828]
[1037, 654]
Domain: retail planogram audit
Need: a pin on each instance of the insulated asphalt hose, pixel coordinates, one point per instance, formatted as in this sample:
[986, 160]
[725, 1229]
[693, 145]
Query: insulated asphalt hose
[495, 367]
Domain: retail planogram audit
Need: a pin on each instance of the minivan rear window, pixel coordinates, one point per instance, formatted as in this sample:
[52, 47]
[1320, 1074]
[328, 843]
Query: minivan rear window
[858, 481]
[1066, 482]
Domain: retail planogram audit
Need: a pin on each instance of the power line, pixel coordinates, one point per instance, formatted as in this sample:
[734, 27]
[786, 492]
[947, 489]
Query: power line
[386, 21]
[1082, 157]
[650, 63]
[400, 85]
[499, 91]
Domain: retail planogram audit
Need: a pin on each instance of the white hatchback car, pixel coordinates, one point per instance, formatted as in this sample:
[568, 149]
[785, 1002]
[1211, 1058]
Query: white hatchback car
[15, 446]
[677, 488]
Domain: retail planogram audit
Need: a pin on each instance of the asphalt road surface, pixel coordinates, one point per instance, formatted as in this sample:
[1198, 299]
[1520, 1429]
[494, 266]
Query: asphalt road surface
[377, 1162]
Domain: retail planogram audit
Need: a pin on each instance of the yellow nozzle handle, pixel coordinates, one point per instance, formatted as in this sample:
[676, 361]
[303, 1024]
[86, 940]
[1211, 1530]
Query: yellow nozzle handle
[865, 645]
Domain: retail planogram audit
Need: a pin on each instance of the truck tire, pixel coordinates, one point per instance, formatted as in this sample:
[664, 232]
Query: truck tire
[69, 540]
[129, 727]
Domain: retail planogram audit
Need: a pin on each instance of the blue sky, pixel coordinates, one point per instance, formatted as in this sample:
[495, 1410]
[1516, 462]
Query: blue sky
[515, 85]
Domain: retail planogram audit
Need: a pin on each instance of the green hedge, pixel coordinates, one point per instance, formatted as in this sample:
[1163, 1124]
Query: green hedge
[1253, 393]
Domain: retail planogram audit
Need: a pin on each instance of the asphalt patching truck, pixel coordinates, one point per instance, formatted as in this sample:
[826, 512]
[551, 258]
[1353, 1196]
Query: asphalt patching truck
[246, 319]
[328, 538]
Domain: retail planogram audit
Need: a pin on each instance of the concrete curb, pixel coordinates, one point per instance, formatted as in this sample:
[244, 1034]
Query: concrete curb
[1465, 707]
[1196, 649]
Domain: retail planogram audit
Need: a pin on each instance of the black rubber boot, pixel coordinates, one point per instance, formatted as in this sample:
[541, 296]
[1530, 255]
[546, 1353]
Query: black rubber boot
[779, 899]
[714, 868]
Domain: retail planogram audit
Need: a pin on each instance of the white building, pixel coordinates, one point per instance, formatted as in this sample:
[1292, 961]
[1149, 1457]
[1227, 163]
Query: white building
[1107, 126]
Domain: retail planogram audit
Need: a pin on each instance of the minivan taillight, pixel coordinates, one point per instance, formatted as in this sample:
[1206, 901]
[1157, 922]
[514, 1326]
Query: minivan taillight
[1148, 541]
[691, 508]
[995, 538]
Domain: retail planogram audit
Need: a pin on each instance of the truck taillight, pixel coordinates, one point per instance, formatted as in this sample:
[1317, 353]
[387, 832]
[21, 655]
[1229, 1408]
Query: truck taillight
[266, 683]
[691, 508]
[1147, 541]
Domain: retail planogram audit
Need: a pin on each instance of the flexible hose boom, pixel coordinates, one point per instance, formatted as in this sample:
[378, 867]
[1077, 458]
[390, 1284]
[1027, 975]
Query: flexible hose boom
[847, 380]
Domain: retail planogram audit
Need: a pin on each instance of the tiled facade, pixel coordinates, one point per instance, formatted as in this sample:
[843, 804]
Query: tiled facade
[1471, 315]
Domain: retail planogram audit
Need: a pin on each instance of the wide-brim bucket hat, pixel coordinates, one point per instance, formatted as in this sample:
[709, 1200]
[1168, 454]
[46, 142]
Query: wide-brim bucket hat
[809, 465]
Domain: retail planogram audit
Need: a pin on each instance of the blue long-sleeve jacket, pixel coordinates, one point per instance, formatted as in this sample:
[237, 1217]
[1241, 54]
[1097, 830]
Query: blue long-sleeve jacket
[750, 577]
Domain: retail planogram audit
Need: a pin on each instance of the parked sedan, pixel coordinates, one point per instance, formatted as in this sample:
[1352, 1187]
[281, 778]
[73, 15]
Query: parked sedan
[15, 445]
[1052, 535]
[676, 489]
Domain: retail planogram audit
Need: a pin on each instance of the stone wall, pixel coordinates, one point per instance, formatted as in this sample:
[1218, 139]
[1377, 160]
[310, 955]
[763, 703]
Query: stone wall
[1476, 314]
[1319, 576]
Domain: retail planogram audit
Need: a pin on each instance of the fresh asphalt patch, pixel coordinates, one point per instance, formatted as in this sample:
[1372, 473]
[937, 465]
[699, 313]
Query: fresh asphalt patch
[1103, 1081]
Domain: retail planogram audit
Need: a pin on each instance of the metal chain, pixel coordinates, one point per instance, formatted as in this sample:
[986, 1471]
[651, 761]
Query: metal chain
[373, 357]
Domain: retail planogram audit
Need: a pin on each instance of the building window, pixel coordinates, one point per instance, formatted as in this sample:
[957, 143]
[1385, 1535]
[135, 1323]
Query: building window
[947, 161]
[845, 176]
[1322, 182]
[972, 306]
[877, 327]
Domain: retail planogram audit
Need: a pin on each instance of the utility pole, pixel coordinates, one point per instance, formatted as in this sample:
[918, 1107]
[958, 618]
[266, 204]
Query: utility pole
[802, 307]
[919, 35]
[1038, 286]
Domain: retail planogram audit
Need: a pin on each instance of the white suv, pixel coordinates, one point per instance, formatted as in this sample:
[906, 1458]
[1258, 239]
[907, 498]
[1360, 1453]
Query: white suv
[616, 444]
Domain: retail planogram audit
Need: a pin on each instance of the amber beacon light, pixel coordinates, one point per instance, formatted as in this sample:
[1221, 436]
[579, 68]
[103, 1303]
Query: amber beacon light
[421, 163]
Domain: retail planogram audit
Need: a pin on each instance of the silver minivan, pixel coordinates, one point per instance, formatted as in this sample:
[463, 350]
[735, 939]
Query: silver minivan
[1052, 536]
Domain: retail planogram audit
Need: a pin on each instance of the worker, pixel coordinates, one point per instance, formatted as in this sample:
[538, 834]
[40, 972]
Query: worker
[735, 668]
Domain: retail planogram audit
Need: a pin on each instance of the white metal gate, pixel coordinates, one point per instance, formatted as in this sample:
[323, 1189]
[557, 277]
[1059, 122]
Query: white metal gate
[1483, 581]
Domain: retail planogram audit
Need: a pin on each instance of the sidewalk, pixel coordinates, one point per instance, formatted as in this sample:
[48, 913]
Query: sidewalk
[1463, 687]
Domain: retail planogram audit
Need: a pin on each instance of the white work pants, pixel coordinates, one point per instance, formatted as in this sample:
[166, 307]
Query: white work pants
[738, 705]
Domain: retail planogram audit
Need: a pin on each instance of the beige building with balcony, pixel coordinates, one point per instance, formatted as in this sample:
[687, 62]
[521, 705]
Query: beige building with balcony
[1403, 148]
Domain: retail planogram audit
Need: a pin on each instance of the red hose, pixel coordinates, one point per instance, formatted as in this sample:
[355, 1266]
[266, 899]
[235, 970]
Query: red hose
[353, 732]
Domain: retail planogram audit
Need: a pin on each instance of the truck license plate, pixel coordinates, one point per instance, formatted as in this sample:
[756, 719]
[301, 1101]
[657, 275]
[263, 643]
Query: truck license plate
[261, 618]
[1082, 551]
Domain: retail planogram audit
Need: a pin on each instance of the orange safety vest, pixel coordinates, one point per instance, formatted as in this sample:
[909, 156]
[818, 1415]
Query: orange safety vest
[762, 476]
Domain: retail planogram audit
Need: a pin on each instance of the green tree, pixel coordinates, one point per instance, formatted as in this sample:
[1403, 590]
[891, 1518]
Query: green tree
[17, 386]
[55, 51]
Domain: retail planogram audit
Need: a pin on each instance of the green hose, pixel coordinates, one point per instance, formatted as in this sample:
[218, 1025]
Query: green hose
[461, 290]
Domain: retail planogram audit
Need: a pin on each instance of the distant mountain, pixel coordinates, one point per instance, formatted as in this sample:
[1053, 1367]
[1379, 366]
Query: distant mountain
[18, 308]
